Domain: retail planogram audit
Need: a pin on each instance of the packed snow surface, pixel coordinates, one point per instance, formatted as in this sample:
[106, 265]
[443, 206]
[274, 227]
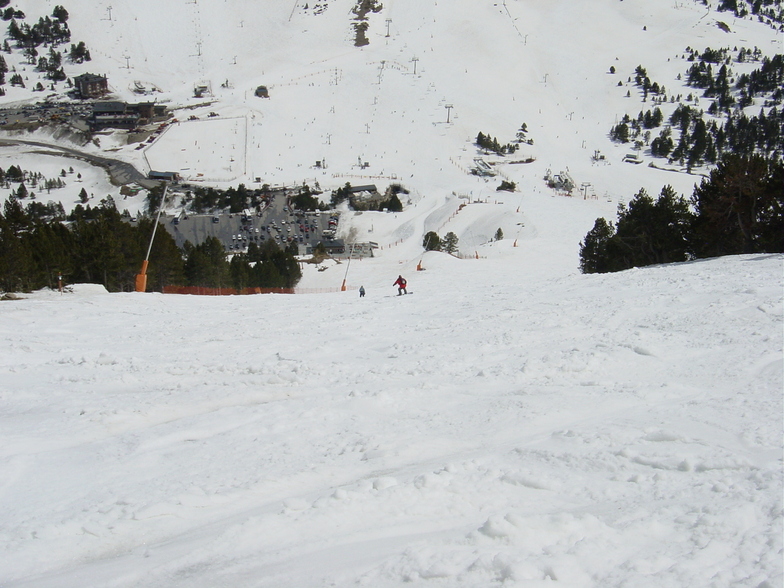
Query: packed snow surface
[486, 430]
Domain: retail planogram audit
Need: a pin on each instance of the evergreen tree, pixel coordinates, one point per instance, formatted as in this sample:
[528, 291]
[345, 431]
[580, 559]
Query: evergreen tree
[16, 261]
[240, 272]
[394, 204]
[14, 174]
[740, 207]
[340, 195]
[100, 249]
[79, 53]
[30, 54]
[15, 217]
[620, 133]
[649, 232]
[449, 243]
[55, 58]
[304, 200]
[166, 259]
[60, 13]
[275, 268]
[13, 28]
[699, 142]
[506, 186]
[662, 145]
[431, 242]
[499, 234]
[594, 250]
[52, 252]
[206, 265]
[153, 199]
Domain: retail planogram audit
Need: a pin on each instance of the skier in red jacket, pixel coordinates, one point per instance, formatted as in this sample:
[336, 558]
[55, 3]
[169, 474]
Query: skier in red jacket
[401, 285]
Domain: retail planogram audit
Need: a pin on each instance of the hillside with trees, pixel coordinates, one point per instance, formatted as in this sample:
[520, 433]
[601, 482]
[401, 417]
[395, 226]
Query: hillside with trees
[98, 245]
[693, 136]
[738, 209]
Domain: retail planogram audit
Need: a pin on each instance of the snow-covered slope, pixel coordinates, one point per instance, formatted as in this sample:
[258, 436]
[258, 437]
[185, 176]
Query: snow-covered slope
[614, 430]
[486, 67]
[497, 65]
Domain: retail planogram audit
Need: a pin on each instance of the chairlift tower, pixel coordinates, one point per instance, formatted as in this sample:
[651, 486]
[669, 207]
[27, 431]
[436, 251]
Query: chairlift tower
[449, 108]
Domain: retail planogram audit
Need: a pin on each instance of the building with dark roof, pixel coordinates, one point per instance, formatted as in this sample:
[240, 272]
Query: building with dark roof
[91, 85]
[120, 115]
[163, 175]
[113, 115]
[364, 197]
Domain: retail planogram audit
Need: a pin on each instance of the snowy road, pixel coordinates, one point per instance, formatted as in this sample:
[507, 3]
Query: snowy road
[120, 172]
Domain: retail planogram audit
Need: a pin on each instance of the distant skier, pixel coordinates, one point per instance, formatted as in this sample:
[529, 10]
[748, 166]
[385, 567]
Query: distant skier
[361, 291]
[401, 285]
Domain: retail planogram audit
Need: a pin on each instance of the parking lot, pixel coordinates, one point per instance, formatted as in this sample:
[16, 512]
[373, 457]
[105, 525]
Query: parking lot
[276, 222]
[44, 112]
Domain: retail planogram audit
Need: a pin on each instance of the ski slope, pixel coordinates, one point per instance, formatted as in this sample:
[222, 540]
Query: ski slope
[490, 430]
[496, 65]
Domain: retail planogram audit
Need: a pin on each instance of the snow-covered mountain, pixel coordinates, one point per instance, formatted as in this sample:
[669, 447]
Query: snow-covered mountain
[378, 113]
[511, 423]
[495, 65]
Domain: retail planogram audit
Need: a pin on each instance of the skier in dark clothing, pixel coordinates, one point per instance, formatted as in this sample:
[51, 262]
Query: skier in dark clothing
[361, 291]
[401, 285]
